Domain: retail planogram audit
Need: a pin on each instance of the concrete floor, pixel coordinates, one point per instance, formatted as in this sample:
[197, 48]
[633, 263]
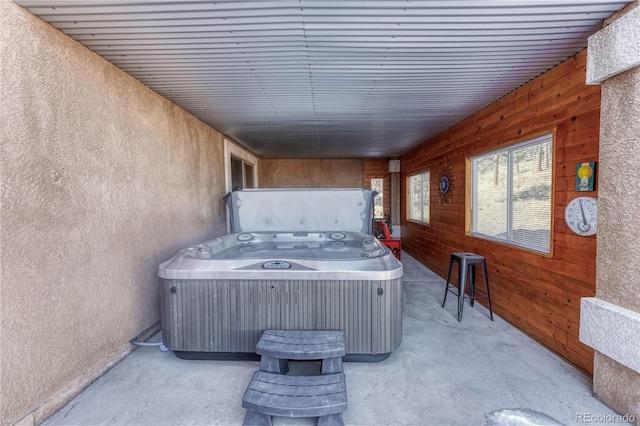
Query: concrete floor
[444, 373]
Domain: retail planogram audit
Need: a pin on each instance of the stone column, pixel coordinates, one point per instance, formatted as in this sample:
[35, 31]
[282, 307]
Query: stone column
[610, 322]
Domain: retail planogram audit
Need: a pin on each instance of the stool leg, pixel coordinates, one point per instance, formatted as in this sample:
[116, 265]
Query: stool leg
[331, 365]
[446, 286]
[462, 278]
[331, 420]
[253, 418]
[486, 287]
[274, 365]
[472, 283]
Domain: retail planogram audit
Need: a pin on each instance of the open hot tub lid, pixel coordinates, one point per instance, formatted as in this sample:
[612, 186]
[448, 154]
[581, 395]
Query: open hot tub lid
[301, 209]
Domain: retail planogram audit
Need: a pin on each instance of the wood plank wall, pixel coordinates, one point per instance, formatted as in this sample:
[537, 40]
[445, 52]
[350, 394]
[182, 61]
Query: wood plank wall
[537, 293]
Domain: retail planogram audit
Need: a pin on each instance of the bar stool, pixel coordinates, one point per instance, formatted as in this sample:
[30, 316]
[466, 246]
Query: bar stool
[467, 266]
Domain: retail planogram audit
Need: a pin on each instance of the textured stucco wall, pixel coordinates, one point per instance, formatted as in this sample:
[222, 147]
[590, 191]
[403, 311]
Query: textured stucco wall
[617, 266]
[311, 173]
[617, 385]
[102, 179]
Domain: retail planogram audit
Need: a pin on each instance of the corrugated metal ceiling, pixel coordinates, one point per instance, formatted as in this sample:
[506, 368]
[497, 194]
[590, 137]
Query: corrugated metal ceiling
[330, 79]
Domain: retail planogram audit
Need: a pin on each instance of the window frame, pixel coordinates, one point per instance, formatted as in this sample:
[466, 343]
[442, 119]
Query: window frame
[409, 197]
[380, 194]
[245, 171]
[235, 151]
[232, 150]
[472, 198]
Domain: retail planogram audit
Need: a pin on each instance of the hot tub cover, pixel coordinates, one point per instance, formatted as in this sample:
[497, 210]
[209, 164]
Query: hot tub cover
[301, 209]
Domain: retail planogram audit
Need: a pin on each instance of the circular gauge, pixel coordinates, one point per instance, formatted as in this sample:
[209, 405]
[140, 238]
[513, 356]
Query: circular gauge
[581, 215]
[337, 236]
[245, 237]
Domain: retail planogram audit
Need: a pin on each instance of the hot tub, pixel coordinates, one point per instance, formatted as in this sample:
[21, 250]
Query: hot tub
[219, 296]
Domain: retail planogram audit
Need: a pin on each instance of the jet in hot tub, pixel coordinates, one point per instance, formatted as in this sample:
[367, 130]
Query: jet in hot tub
[219, 296]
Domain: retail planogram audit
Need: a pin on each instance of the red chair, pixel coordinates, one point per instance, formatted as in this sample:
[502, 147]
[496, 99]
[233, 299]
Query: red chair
[395, 244]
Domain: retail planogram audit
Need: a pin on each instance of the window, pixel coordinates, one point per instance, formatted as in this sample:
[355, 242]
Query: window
[240, 167]
[378, 205]
[240, 170]
[418, 186]
[241, 173]
[511, 194]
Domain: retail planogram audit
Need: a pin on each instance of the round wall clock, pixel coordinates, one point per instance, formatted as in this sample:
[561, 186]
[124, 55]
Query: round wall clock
[581, 215]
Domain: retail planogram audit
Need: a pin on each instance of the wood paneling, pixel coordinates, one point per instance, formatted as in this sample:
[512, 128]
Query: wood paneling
[540, 294]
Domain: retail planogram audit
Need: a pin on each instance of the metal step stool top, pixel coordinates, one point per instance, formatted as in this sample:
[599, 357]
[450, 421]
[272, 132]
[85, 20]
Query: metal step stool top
[271, 394]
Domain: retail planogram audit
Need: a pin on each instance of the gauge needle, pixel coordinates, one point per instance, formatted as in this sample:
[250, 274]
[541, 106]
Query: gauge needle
[584, 217]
